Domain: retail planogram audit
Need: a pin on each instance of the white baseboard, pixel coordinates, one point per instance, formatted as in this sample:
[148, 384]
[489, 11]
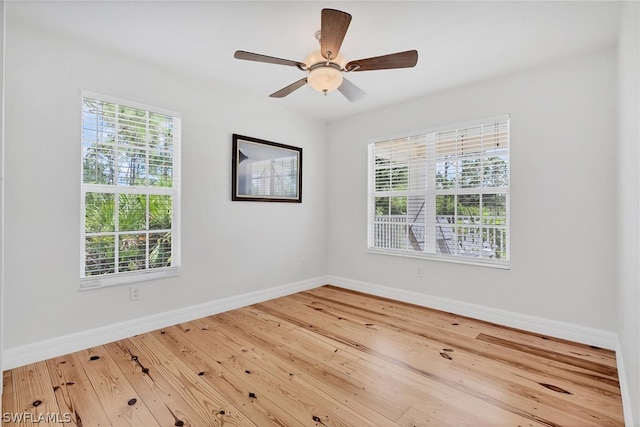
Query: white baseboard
[42, 350]
[539, 325]
[46, 349]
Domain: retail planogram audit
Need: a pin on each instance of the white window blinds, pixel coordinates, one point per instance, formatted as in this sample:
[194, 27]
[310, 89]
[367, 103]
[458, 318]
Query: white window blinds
[443, 193]
[130, 188]
[400, 181]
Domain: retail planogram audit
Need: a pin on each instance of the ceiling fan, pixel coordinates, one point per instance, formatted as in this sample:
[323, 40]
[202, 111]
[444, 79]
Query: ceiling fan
[326, 66]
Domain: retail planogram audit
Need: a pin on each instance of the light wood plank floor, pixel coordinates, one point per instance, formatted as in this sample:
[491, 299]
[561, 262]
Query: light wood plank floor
[325, 357]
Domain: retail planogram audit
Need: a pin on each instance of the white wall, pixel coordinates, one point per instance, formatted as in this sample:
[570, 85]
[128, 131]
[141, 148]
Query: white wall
[563, 198]
[629, 205]
[228, 248]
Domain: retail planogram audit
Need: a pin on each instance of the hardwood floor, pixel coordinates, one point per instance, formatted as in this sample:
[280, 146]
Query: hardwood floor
[325, 357]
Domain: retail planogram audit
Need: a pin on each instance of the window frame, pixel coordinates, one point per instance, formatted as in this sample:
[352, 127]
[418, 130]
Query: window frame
[129, 277]
[430, 194]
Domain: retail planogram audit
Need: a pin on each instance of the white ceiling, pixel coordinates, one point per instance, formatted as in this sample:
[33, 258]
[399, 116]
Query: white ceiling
[458, 42]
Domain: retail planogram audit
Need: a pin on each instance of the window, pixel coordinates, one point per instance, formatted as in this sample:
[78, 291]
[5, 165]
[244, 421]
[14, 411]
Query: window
[130, 191]
[443, 194]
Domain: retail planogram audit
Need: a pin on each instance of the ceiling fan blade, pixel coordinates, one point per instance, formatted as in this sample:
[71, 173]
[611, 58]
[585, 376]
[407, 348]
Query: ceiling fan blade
[288, 89]
[333, 28]
[241, 54]
[406, 59]
[350, 91]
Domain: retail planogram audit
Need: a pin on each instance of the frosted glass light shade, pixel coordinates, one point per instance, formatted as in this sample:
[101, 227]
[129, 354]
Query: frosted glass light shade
[325, 79]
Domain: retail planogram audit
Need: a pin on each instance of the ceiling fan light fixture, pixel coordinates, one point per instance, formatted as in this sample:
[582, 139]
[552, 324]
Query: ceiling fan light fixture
[325, 78]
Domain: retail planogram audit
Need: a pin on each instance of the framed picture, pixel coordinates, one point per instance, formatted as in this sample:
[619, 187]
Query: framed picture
[264, 171]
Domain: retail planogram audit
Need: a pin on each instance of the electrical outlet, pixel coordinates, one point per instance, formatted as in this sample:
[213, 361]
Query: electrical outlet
[134, 293]
[419, 272]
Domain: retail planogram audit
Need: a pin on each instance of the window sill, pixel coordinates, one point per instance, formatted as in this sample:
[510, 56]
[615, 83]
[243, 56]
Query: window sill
[96, 282]
[501, 265]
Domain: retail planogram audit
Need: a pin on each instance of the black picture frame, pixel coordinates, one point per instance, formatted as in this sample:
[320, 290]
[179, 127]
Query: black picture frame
[265, 171]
